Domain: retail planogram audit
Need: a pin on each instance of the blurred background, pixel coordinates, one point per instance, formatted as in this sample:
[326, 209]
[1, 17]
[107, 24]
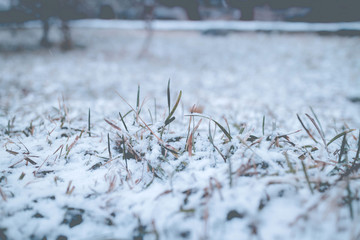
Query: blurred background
[18, 11]
[118, 44]
[15, 13]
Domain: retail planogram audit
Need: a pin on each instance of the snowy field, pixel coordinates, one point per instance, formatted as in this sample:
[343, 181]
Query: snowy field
[258, 172]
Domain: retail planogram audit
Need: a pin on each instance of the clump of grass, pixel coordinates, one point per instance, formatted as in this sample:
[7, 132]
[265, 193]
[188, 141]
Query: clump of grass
[247, 142]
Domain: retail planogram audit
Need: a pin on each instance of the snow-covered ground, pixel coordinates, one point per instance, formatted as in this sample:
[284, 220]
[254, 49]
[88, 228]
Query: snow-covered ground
[59, 181]
[175, 25]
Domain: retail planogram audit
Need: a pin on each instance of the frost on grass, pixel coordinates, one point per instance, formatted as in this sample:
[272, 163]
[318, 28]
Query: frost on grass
[191, 177]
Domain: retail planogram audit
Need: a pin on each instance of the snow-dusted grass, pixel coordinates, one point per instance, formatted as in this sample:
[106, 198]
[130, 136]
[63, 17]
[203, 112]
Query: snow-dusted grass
[85, 152]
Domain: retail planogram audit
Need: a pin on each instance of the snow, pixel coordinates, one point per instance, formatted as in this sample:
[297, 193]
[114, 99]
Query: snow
[240, 76]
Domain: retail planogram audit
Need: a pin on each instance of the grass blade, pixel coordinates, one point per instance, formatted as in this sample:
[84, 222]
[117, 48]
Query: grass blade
[112, 125]
[124, 153]
[122, 120]
[339, 136]
[168, 95]
[317, 120]
[109, 149]
[138, 100]
[223, 130]
[155, 109]
[71, 146]
[307, 177]
[189, 142]
[3, 196]
[212, 142]
[227, 125]
[289, 163]
[350, 199]
[318, 129]
[175, 106]
[358, 151]
[263, 125]
[307, 130]
[342, 149]
[89, 124]
[210, 135]
[227, 134]
[168, 121]
[151, 117]
[127, 113]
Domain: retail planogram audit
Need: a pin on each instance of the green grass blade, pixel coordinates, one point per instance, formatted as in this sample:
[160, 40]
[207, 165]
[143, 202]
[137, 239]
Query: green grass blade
[168, 121]
[122, 120]
[342, 149]
[211, 140]
[289, 163]
[168, 95]
[339, 136]
[358, 151]
[210, 135]
[124, 153]
[317, 128]
[317, 120]
[263, 125]
[138, 99]
[174, 108]
[151, 117]
[307, 130]
[127, 113]
[307, 177]
[89, 124]
[155, 109]
[228, 126]
[109, 149]
[350, 199]
[227, 134]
